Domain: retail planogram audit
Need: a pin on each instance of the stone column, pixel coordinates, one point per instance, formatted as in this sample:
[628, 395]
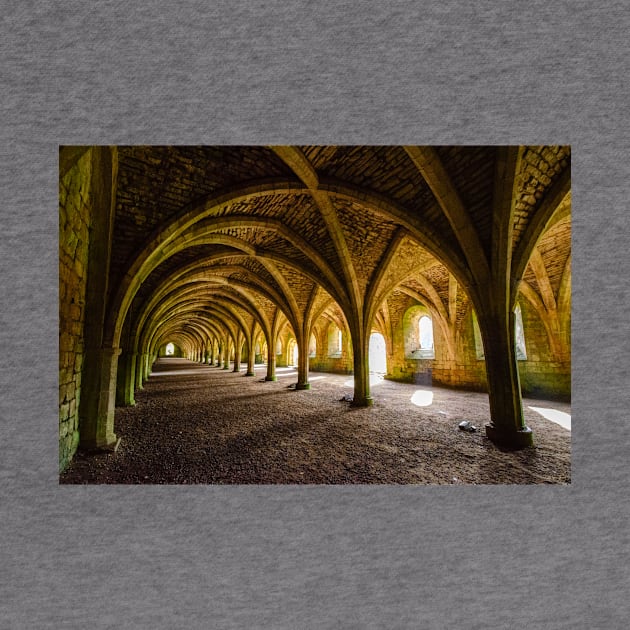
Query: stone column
[97, 411]
[237, 357]
[226, 354]
[360, 349]
[98, 395]
[250, 359]
[271, 362]
[126, 379]
[507, 427]
[139, 375]
[302, 382]
[141, 366]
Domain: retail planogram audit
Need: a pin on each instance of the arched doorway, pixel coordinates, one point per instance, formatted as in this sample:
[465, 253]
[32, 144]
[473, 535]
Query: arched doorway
[377, 354]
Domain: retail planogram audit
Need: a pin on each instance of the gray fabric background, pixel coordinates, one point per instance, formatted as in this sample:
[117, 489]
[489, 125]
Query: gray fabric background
[313, 557]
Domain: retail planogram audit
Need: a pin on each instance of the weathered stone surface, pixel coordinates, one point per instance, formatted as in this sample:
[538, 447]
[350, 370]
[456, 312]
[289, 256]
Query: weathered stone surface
[74, 237]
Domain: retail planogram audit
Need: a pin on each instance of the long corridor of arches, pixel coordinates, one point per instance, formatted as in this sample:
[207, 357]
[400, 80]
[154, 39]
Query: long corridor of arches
[261, 259]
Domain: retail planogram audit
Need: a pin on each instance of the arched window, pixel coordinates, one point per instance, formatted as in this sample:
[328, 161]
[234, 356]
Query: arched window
[425, 330]
[479, 352]
[312, 346]
[170, 349]
[335, 341]
[519, 334]
[418, 329]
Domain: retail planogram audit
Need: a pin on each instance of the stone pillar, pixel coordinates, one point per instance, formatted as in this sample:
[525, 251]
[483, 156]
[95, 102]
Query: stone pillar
[360, 349]
[271, 363]
[250, 359]
[98, 395]
[226, 355]
[302, 382]
[507, 427]
[97, 411]
[126, 379]
[141, 366]
[237, 357]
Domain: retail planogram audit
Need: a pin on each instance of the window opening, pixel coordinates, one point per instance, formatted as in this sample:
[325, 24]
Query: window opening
[478, 340]
[519, 335]
[425, 329]
[335, 341]
[377, 354]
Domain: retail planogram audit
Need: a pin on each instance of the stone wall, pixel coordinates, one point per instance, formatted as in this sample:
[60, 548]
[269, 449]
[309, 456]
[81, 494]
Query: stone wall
[74, 235]
[541, 375]
[336, 363]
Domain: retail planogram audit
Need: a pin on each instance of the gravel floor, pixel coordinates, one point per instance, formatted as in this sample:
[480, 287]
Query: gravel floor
[199, 424]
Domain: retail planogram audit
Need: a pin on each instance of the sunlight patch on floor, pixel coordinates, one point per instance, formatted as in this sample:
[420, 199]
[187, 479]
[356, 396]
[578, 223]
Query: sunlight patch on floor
[559, 417]
[422, 398]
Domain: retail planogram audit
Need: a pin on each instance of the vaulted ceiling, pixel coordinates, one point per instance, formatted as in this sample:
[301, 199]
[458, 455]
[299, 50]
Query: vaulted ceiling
[212, 237]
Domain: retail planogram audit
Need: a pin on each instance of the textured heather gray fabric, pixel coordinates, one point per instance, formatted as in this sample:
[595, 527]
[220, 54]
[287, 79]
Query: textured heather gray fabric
[313, 557]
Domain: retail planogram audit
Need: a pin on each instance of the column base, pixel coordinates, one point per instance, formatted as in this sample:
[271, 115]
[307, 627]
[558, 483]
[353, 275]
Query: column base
[510, 439]
[249, 374]
[303, 386]
[368, 401]
[109, 445]
[271, 378]
[226, 367]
